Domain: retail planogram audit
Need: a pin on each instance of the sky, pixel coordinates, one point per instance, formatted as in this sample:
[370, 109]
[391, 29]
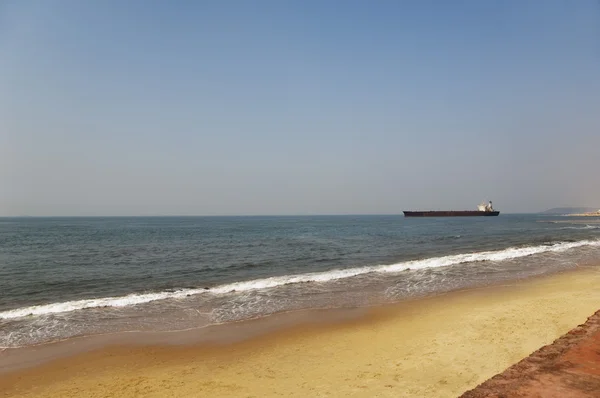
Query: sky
[297, 107]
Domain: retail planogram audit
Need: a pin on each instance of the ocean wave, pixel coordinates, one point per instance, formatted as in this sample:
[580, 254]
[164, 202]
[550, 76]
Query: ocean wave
[315, 277]
[587, 227]
[448, 237]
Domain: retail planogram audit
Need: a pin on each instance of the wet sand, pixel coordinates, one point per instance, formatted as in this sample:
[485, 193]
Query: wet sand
[436, 347]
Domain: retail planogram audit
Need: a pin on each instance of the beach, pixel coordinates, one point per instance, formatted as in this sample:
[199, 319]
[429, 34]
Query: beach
[439, 346]
[294, 198]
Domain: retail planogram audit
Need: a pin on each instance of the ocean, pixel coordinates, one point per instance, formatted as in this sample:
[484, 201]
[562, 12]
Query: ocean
[67, 277]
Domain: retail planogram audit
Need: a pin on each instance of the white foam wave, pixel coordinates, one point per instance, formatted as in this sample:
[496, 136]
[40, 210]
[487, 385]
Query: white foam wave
[265, 283]
[585, 227]
[122, 301]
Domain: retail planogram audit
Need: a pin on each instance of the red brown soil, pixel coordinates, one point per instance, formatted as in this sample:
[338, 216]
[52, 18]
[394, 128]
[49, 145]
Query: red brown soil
[567, 368]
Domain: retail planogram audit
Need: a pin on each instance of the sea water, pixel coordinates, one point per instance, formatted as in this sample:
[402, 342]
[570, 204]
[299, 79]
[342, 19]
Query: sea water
[66, 277]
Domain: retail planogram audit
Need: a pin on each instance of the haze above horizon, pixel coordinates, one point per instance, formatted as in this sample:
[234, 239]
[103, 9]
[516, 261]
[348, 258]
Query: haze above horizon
[300, 107]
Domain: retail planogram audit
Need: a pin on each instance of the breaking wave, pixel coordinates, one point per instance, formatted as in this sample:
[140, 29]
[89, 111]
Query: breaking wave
[583, 227]
[315, 277]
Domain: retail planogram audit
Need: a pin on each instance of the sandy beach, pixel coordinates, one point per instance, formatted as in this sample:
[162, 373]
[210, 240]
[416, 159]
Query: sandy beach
[435, 347]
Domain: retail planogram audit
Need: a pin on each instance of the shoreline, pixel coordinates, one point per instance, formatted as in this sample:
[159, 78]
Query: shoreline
[185, 308]
[404, 341]
[209, 336]
[220, 334]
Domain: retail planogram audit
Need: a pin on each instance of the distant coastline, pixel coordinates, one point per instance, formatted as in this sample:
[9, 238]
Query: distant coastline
[590, 214]
[574, 211]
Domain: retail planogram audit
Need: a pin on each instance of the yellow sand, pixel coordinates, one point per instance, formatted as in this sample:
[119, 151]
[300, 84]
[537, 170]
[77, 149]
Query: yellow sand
[438, 347]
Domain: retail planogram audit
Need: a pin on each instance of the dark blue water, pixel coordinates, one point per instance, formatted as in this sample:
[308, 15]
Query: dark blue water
[62, 277]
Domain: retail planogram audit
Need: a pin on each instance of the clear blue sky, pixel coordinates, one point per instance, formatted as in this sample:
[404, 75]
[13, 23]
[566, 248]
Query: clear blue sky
[297, 107]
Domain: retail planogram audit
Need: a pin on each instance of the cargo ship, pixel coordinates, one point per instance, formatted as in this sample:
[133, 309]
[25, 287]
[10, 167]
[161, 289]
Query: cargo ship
[482, 210]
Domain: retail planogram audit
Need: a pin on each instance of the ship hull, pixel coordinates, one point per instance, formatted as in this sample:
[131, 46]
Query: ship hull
[450, 213]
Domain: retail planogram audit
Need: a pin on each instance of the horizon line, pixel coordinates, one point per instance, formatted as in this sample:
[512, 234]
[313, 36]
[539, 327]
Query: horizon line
[229, 215]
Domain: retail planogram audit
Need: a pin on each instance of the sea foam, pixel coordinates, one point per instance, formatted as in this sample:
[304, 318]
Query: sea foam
[315, 277]
[584, 227]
